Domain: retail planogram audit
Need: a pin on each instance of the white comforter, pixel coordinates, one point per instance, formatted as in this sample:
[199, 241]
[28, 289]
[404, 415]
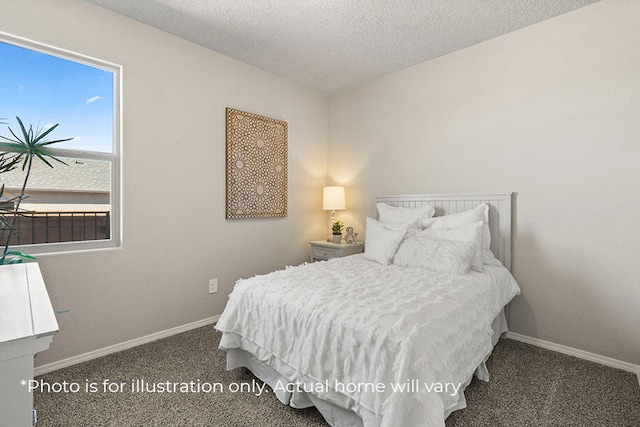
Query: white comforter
[356, 323]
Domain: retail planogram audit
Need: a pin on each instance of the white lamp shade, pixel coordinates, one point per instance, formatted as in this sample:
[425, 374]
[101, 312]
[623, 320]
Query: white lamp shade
[333, 198]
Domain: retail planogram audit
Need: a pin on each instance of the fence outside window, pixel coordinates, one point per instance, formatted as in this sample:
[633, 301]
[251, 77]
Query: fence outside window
[57, 227]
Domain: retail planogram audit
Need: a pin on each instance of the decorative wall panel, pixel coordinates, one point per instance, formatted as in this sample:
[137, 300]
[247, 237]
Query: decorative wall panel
[256, 166]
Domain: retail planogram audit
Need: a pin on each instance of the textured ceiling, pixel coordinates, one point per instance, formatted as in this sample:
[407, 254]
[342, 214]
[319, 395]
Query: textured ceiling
[330, 45]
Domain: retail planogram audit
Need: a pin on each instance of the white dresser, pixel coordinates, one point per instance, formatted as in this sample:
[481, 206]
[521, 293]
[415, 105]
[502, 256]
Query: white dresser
[27, 325]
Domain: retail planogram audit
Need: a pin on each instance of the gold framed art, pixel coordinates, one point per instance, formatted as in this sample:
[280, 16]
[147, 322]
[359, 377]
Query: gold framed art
[256, 166]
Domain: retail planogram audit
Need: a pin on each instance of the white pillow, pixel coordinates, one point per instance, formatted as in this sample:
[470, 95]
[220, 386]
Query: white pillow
[381, 243]
[388, 213]
[471, 234]
[445, 256]
[479, 213]
[410, 228]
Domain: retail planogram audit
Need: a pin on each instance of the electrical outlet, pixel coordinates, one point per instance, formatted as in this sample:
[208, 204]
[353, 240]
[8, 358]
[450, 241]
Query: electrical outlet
[213, 286]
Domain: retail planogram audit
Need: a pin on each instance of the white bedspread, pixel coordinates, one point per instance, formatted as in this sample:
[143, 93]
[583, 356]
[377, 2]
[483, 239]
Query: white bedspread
[356, 323]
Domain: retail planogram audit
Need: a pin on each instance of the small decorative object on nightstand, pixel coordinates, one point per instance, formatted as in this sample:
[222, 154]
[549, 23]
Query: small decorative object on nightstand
[351, 237]
[322, 250]
[336, 229]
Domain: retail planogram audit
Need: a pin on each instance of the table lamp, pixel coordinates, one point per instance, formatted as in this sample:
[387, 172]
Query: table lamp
[333, 199]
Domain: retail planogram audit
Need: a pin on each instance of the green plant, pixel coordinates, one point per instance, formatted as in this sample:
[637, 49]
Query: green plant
[24, 149]
[337, 226]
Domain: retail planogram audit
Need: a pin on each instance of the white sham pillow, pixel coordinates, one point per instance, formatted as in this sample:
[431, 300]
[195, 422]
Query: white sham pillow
[444, 256]
[479, 213]
[471, 234]
[381, 242]
[397, 214]
[410, 228]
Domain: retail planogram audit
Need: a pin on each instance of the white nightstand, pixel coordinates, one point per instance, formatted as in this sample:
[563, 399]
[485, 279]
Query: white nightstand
[322, 250]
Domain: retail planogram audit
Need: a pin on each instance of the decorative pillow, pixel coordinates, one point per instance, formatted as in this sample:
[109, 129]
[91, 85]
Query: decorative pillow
[410, 228]
[479, 213]
[381, 242]
[445, 256]
[396, 214]
[471, 234]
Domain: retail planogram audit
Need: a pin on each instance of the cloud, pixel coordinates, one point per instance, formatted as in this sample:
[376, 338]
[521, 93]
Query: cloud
[93, 99]
[48, 125]
[77, 138]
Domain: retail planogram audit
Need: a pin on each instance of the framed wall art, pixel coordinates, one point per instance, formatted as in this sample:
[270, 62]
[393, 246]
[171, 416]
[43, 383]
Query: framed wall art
[256, 166]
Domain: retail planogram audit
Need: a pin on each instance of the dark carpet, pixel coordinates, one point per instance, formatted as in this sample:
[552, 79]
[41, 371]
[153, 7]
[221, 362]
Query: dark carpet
[529, 387]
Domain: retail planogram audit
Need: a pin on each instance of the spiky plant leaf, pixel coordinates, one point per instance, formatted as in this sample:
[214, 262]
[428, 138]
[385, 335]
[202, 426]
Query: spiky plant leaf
[23, 149]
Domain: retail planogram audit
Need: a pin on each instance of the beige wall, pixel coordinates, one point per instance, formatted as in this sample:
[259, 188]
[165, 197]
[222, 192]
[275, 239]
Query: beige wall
[175, 94]
[551, 112]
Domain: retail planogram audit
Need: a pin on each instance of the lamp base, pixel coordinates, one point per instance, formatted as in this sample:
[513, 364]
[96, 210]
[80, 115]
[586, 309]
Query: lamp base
[333, 218]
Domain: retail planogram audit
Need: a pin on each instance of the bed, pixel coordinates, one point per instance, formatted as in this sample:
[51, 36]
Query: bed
[388, 342]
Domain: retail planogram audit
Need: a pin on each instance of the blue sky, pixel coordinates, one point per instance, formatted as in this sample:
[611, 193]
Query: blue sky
[43, 90]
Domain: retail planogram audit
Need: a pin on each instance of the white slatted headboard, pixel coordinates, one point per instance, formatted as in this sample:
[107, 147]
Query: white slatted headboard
[499, 214]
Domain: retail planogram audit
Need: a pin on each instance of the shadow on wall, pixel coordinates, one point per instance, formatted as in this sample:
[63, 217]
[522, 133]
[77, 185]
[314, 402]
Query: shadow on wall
[522, 319]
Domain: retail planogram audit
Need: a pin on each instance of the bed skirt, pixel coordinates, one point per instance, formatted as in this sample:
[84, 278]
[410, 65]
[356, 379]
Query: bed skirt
[335, 415]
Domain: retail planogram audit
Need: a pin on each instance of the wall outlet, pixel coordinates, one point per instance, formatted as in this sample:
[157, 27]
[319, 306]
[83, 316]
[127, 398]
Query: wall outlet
[213, 286]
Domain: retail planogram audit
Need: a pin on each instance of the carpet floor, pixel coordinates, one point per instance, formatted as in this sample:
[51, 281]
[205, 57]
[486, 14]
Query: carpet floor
[529, 387]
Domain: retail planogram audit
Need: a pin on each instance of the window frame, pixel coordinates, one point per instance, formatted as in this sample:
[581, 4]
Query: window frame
[114, 158]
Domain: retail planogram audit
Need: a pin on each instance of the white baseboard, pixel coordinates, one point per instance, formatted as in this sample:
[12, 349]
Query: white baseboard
[581, 354]
[43, 369]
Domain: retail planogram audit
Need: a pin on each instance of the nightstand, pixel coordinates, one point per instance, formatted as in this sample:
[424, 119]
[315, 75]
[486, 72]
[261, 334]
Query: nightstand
[322, 250]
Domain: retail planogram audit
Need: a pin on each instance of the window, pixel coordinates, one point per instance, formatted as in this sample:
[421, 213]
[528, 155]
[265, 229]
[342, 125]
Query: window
[75, 205]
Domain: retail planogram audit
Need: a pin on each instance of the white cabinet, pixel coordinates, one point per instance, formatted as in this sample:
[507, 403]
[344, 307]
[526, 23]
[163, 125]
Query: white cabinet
[27, 325]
